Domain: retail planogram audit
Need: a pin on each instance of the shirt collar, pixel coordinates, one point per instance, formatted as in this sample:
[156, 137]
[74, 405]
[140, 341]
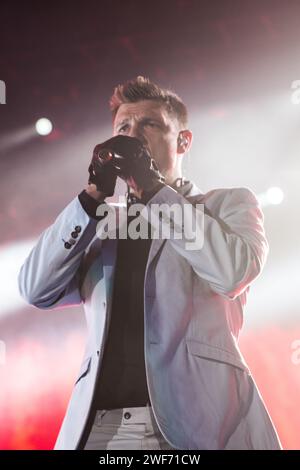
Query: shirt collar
[181, 185]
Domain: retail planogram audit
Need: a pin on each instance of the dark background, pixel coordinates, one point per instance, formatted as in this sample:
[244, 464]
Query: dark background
[233, 63]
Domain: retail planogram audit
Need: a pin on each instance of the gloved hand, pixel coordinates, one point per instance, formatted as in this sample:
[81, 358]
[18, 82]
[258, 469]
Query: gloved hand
[131, 161]
[101, 172]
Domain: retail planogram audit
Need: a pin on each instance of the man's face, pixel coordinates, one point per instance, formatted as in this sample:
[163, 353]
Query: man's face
[150, 122]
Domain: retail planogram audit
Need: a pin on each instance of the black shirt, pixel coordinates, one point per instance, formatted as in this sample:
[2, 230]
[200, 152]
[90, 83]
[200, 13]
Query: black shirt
[122, 380]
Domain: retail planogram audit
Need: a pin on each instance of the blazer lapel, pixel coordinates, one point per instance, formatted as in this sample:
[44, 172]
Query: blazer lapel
[109, 248]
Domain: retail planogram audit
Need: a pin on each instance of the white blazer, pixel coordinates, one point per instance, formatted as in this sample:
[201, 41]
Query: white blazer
[201, 390]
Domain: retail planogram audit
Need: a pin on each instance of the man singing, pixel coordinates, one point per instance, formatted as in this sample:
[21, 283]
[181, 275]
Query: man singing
[161, 368]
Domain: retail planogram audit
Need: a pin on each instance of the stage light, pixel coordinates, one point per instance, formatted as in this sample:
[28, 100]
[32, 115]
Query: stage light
[275, 195]
[43, 126]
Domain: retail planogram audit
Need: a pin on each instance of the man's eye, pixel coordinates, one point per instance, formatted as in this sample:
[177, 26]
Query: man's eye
[123, 128]
[151, 124]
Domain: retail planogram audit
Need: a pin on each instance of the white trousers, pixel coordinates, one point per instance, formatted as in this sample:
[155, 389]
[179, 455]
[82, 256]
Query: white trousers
[126, 428]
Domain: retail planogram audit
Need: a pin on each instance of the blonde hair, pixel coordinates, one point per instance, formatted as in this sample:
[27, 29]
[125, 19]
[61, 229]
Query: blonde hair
[141, 88]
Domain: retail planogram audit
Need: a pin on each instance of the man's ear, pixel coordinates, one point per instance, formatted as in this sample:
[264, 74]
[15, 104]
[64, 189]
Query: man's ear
[184, 141]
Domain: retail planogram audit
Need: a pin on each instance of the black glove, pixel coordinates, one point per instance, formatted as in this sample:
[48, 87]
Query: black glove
[131, 161]
[101, 172]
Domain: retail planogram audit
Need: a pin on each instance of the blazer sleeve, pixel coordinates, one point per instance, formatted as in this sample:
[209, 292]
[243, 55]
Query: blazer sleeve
[231, 246]
[50, 276]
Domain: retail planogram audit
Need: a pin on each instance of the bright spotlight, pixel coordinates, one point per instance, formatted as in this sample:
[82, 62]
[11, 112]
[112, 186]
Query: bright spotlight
[275, 195]
[43, 126]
